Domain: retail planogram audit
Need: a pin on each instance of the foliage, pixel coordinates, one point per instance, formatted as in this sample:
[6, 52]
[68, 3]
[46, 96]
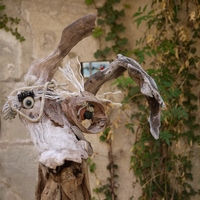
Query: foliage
[109, 31]
[109, 28]
[163, 167]
[169, 45]
[9, 23]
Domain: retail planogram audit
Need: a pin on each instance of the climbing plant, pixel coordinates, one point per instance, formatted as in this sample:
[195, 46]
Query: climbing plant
[170, 43]
[109, 30]
[108, 188]
[9, 24]
[169, 47]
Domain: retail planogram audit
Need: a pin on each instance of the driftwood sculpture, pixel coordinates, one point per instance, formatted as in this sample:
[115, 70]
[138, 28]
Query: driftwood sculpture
[53, 115]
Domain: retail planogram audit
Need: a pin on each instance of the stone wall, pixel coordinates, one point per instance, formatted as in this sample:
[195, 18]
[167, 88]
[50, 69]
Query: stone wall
[41, 25]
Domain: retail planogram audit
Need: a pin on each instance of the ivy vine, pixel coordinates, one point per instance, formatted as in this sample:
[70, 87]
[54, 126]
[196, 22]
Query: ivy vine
[169, 47]
[9, 23]
[109, 29]
[109, 187]
[164, 167]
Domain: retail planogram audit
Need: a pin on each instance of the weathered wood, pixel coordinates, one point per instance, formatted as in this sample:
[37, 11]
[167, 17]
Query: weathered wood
[62, 173]
[54, 118]
[69, 182]
[72, 105]
[147, 86]
[43, 70]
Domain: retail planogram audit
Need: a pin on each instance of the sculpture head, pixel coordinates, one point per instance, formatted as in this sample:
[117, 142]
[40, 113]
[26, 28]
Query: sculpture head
[53, 114]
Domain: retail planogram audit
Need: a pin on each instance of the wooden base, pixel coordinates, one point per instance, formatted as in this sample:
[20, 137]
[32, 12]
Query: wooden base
[67, 182]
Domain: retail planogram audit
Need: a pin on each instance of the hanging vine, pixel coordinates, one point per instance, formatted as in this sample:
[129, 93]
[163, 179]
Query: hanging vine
[109, 30]
[169, 47]
[9, 24]
[108, 189]
[164, 167]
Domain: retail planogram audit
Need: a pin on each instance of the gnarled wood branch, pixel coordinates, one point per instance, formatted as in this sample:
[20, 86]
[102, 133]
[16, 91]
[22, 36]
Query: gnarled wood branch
[57, 133]
[147, 86]
[43, 70]
[62, 147]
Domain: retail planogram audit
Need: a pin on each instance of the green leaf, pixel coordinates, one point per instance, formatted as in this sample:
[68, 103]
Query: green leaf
[106, 131]
[106, 50]
[122, 41]
[144, 9]
[100, 21]
[137, 14]
[179, 113]
[121, 13]
[92, 167]
[98, 53]
[102, 138]
[154, 52]
[148, 53]
[127, 6]
[98, 32]
[142, 18]
[89, 2]
[110, 36]
[2, 7]
[118, 28]
[130, 127]
[116, 49]
[166, 136]
[110, 19]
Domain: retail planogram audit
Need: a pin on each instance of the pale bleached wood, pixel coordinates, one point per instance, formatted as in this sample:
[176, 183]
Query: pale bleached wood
[63, 150]
[43, 70]
[57, 135]
[146, 83]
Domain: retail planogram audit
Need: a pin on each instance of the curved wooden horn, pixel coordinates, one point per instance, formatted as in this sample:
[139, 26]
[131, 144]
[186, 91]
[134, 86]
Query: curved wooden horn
[43, 70]
[147, 86]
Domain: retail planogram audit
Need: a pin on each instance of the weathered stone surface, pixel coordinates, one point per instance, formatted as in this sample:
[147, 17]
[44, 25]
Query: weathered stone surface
[41, 24]
[18, 170]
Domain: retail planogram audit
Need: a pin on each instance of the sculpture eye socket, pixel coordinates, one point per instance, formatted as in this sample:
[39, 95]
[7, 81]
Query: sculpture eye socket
[28, 102]
[27, 99]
